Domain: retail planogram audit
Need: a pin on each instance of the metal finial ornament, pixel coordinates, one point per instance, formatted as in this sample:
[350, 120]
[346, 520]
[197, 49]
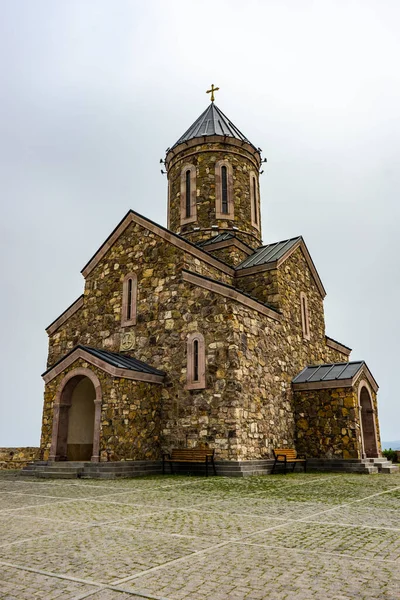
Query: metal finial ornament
[213, 89]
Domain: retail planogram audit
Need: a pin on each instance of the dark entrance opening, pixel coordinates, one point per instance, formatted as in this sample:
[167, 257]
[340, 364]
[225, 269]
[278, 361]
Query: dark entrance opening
[368, 424]
[76, 421]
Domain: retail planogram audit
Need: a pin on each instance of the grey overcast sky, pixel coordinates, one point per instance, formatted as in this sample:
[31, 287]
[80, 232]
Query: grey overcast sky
[92, 92]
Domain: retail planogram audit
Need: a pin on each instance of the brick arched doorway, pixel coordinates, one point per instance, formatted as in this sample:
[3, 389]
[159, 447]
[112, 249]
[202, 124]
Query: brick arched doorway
[368, 427]
[76, 417]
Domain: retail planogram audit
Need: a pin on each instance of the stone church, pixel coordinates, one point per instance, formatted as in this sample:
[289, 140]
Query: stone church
[199, 334]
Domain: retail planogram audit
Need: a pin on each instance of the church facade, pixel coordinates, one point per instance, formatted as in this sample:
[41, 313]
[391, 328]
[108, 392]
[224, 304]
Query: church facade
[199, 334]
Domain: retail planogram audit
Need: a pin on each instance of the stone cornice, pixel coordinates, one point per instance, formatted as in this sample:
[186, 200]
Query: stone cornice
[214, 139]
[337, 346]
[70, 358]
[172, 238]
[229, 292]
[277, 263]
[75, 306]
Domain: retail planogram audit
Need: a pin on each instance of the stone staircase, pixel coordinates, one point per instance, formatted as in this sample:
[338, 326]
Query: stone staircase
[90, 470]
[382, 465]
[113, 470]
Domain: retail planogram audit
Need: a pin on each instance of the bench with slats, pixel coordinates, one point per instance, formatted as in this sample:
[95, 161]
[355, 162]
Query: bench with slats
[190, 455]
[288, 456]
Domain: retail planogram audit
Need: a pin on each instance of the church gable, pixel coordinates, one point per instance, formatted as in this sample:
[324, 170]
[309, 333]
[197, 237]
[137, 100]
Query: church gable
[154, 258]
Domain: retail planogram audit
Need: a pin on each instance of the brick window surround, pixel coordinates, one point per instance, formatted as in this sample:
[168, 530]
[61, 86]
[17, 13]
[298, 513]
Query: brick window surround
[218, 190]
[193, 194]
[305, 320]
[196, 362]
[254, 201]
[129, 300]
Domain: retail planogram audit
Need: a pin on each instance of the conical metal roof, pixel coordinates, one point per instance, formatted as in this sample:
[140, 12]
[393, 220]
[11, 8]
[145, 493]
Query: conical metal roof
[212, 122]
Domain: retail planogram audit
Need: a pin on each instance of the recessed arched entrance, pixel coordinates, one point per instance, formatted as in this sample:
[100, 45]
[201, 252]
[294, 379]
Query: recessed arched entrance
[76, 419]
[368, 429]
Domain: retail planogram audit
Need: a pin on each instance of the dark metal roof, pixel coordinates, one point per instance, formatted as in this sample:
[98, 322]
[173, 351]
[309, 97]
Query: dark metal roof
[122, 361]
[329, 372]
[268, 253]
[115, 359]
[212, 122]
[221, 237]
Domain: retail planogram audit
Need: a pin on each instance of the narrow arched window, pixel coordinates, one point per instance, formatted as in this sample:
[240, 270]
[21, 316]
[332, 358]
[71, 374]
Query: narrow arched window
[196, 362]
[129, 300]
[129, 303]
[254, 203]
[187, 194]
[255, 200]
[224, 190]
[305, 321]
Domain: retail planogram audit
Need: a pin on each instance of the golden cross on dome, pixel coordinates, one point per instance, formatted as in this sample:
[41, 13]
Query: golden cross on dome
[213, 89]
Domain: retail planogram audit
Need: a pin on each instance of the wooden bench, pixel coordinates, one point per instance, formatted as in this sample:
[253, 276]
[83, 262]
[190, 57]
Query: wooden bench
[287, 456]
[190, 455]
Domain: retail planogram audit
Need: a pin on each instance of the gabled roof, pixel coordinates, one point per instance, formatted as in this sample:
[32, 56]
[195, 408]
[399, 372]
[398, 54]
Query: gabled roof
[332, 375]
[122, 361]
[269, 253]
[113, 363]
[273, 255]
[212, 122]
[221, 237]
[175, 239]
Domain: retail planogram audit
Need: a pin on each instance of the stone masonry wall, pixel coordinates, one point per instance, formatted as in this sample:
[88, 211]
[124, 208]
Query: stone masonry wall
[230, 255]
[16, 458]
[327, 423]
[294, 277]
[247, 407]
[263, 286]
[130, 416]
[203, 157]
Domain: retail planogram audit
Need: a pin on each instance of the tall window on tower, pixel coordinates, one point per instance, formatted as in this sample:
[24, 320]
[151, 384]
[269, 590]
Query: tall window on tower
[188, 194]
[129, 300]
[196, 362]
[224, 182]
[305, 321]
[223, 190]
[254, 201]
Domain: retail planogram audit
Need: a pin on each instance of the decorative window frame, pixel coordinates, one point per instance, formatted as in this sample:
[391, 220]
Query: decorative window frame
[193, 194]
[254, 202]
[125, 321]
[200, 382]
[218, 190]
[305, 318]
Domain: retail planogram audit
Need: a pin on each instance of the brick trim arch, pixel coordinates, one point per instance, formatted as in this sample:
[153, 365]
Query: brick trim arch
[193, 194]
[198, 383]
[125, 320]
[365, 385]
[305, 317]
[255, 202]
[63, 398]
[218, 190]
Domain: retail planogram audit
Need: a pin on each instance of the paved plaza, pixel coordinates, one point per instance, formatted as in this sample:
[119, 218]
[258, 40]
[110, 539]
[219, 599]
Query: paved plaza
[303, 536]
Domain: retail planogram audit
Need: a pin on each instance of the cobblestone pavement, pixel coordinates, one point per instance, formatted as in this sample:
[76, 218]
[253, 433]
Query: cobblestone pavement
[303, 536]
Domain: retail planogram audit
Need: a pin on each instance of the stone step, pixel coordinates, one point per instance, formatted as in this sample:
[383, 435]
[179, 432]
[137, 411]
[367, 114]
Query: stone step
[57, 470]
[56, 475]
[387, 470]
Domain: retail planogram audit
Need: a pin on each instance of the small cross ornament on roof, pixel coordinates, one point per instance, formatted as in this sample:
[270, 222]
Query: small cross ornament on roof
[213, 89]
